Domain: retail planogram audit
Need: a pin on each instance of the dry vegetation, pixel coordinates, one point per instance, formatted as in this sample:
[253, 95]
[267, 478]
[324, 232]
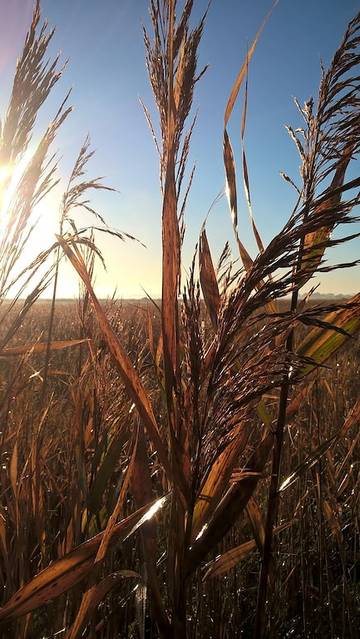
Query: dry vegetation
[141, 488]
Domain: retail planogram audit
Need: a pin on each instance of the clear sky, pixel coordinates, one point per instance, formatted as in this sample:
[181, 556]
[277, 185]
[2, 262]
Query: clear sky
[103, 41]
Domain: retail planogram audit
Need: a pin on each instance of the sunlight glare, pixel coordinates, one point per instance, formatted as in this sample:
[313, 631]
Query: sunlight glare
[43, 219]
[44, 215]
[10, 177]
[5, 172]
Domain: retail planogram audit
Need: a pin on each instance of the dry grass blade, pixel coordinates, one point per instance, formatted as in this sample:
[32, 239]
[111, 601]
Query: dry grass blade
[257, 524]
[246, 181]
[230, 173]
[225, 562]
[310, 461]
[40, 347]
[101, 553]
[64, 573]
[208, 280]
[228, 560]
[229, 508]
[94, 596]
[142, 490]
[315, 243]
[216, 483]
[170, 282]
[129, 375]
[243, 71]
[13, 470]
[3, 535]
[257, 236]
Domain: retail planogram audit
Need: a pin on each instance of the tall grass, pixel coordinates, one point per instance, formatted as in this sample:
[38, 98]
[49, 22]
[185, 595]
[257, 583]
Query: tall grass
[145, 455]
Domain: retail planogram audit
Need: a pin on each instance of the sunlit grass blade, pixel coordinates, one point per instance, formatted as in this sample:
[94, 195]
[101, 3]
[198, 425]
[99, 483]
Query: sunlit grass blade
[230, 507]
[243, 70]
[308, 463]
[64, 573]
[321, 343]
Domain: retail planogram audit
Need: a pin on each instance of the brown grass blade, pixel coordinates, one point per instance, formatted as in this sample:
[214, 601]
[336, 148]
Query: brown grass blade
[3, 535]
[170, 283]
[257, 524]
[228, 510]
[170, 233]
[246, 181]
[94, 596]
[128, 373]
[142, 490]
[228, 560]
[314, 252]
[14, 468]
[243, 70]
[230, 173]
[64, 573]
[257, 236]
[40, 347]
[216, 483]
[308, 462]
[208, 280]
[101, 553]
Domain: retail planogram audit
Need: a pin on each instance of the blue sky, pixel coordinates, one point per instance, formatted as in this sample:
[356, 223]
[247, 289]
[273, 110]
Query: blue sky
[103, 41]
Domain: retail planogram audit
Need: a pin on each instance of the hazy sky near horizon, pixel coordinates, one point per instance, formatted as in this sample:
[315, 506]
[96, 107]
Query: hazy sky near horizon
[106, 69]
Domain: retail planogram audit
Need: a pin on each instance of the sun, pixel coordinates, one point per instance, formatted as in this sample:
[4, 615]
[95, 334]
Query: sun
[42, 223]
[43, 217]
[5, 172]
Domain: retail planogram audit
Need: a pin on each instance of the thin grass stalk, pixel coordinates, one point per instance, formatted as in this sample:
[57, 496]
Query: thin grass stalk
[50, 325]
[273, 498]
[273, 495]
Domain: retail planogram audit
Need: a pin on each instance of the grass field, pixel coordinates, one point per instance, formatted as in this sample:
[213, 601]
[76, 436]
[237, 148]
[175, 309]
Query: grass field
[71, 451]
[187, 467]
